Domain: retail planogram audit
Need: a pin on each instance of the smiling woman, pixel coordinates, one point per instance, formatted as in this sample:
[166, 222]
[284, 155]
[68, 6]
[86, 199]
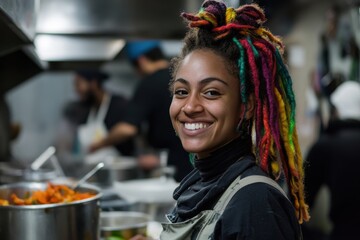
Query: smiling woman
[204, 107]
[233, 109]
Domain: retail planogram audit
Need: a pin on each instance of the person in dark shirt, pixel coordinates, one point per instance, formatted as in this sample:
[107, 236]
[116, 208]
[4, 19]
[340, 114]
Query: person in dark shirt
[96, 112]
[233, 108]
[150, 105]
[334, 160]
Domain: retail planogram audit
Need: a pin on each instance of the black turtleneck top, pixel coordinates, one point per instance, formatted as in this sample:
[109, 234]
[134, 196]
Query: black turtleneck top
[257, 211]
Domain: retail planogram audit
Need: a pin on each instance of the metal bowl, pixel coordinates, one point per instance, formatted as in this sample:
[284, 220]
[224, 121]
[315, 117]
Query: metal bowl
[122, 225]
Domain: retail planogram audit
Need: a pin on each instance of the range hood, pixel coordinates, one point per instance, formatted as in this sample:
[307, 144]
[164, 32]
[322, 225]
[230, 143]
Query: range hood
[120, 18]
[18, 59]
[96, 23]
[67, 52]
[17, 23]
[73, 34]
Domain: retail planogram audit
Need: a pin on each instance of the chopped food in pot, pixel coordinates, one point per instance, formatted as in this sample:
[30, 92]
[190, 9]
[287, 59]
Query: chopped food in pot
[52, 194]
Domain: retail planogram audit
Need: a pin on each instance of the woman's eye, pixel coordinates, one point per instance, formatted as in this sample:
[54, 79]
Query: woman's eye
[180, 92]
[212, 93]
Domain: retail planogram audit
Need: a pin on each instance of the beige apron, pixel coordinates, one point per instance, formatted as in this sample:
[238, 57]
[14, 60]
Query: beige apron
[95, 130]
[201, 227]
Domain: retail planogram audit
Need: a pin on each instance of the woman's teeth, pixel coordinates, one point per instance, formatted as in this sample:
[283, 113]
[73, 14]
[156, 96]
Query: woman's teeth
[195, 126]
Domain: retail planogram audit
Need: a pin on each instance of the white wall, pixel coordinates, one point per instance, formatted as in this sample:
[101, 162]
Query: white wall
[36, 105]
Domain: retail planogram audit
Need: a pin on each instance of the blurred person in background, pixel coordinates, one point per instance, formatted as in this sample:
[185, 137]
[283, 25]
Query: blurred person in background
[149, 108]
[92, 117]
[334, 161]
[338, 59]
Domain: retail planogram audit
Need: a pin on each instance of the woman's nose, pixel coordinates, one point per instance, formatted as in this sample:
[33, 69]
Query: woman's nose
[192, 105]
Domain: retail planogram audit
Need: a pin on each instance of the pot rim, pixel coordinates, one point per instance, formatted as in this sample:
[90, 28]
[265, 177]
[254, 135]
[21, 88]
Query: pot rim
[40, 185]
[145, 216]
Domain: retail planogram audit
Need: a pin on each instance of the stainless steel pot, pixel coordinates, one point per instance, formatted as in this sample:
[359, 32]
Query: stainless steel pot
[124, 168]
[65, 221]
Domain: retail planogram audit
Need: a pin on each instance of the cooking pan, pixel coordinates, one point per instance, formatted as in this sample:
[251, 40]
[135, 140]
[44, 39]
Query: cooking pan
[70, 221]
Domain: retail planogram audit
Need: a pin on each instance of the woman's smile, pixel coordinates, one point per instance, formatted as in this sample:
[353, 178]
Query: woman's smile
[195, 126]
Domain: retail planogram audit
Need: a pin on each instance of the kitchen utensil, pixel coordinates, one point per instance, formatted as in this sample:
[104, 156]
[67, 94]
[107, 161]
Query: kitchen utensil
[88, 175]
[43, 158]
[70, 221]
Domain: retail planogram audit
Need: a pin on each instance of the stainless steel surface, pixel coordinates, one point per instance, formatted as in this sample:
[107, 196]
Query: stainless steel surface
[88, 175]
[55, 48]
[58, 169]
[86, 33]
[39, 161]
[17, 23]
[152, 196]
[123, 18]
[23, 14]
[12, 173]
[70, 221]
[124, 224]
[119, 169]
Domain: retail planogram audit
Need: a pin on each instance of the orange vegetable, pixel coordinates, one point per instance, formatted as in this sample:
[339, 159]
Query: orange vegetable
[16, 200]
[53, 194]
[4, 202]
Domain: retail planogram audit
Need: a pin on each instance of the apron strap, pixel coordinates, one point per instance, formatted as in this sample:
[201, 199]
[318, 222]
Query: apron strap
[103, 109]
[239, 183]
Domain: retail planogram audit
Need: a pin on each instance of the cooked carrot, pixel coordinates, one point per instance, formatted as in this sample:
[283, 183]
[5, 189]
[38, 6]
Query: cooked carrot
[4, 202]
[17, 200]
[53, 194]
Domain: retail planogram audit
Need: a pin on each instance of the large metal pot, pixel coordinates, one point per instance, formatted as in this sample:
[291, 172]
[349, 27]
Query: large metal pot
[118, 169]
[70, 221]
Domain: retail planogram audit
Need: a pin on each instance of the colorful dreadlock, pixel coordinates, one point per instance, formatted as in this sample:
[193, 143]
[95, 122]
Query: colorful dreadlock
[256, 54]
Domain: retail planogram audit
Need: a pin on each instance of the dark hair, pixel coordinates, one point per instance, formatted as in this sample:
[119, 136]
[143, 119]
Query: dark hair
[93, 75]
[255, 56]
[196, 39]
[153, 54]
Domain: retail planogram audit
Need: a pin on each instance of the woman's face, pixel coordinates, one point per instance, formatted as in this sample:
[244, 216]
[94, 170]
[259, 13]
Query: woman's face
[206, 107]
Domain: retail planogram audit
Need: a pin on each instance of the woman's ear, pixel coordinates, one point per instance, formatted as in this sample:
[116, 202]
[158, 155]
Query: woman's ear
[249, 107]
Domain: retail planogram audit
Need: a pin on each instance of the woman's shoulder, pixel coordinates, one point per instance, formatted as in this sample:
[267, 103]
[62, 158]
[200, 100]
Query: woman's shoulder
[259, 211]
[260, 195]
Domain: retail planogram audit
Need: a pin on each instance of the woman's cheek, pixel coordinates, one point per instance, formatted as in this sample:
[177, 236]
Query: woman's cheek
[173, 111]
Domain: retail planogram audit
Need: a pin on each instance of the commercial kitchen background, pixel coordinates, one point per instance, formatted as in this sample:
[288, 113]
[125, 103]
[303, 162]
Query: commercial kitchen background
[68, 34]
